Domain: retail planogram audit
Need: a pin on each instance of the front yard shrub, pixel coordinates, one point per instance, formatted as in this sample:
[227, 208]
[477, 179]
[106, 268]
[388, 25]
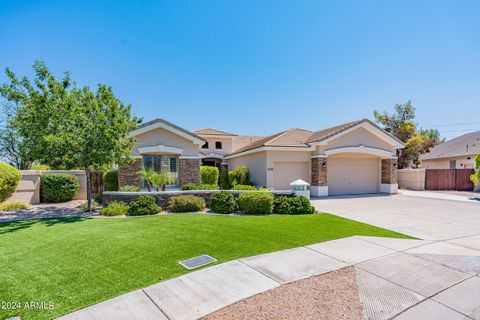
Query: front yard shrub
[129, 188]
[38, 166]
[114, 208]
[239, 175]
[224, 183]
[244, 187]
[209, 175]
[58, 187]
[292, 205]
[194, 186]
[9, 179]
[110, 180]
[186, 203]
[12, 206]
[256, 202]
[144, 205]
[223, 202]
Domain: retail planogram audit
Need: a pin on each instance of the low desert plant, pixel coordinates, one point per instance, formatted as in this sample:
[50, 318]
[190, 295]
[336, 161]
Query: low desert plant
[194, 186]
[143, 205]
[58, 187]
[110, 180]
[114, 208]
[223, 202]
[9, 179]
[292, 205]
[84, 206]
[239, 175]
[129, 188]
[244, 187]
[256, 202]
[12, 206]
[209, 175]
[186, 203]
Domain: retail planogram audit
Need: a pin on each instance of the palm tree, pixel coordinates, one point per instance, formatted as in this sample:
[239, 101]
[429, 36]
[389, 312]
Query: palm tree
[147, 175]
[160, 179]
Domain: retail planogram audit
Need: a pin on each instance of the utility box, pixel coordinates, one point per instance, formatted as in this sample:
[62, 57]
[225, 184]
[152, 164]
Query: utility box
[300, 188]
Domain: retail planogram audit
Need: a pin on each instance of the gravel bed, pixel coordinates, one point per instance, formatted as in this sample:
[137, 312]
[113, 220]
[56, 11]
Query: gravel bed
[329, 296]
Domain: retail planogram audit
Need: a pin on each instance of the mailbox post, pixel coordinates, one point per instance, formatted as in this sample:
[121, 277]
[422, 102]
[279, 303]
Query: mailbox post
[300, 188]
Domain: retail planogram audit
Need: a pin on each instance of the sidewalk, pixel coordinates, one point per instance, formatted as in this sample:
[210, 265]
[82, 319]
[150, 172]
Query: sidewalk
[439, 195]
[408, 279]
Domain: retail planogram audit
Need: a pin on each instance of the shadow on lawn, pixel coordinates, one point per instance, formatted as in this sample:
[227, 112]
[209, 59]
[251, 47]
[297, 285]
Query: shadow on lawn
[13, 226]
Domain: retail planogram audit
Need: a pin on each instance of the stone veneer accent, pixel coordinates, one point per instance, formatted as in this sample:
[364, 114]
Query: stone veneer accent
[389, 171]
[128, 173]
[319, 173]
[188, 171]
[224, 168]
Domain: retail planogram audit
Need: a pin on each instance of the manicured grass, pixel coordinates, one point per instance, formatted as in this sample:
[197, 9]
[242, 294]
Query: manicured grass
[77, 262]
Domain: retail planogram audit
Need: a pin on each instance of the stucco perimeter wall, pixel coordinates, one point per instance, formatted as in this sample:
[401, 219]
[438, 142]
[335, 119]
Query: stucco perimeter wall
[462, 163]
[166, 138]
[28, 190]
[360, 136]
[256, 164]
[411, 179]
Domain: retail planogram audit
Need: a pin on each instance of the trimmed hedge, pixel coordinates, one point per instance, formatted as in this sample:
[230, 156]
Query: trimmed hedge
[12, 206]
[110, 180]
[194, 186]
[224, 183]
[9, 179]
[239, 175]
[186, 203]
[144, 205]
[58, 187]
[244, 187]
[114, 208]
[223, 202]
[256, 202]
[209, 175]
[292, 205]
[129, 188]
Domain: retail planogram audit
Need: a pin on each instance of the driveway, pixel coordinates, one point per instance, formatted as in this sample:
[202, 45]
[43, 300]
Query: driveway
[424, 218]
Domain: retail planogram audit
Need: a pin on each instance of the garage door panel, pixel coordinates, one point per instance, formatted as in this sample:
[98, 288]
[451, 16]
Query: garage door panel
[352, 175]
[289, 171]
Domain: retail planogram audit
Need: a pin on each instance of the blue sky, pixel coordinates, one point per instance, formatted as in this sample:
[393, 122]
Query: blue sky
[259, 67]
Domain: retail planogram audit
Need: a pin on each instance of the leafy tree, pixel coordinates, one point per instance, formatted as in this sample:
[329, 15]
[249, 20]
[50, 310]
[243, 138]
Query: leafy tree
[10, 141]
[476, 176]
[62, 125]
[401, 124]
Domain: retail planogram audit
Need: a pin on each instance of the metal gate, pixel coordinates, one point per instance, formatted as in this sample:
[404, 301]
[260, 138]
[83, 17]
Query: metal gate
[448, 179]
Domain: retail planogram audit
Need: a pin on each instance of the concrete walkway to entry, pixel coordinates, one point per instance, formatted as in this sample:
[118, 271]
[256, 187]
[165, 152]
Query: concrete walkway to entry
[402, 278]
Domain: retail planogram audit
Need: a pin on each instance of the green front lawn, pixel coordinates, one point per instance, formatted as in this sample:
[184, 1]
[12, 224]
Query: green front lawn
[76, 262]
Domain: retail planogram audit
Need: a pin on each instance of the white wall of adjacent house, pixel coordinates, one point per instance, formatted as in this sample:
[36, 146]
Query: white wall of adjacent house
[450, 163]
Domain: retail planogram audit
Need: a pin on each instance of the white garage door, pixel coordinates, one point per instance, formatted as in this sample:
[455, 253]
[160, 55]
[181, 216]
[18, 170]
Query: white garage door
[289, 171]
[352, 175]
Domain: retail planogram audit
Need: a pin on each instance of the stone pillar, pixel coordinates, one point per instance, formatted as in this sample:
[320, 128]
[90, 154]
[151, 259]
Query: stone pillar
[189, 170]
[223, 168]
[128, 173]
[389, 176]
[318, 185]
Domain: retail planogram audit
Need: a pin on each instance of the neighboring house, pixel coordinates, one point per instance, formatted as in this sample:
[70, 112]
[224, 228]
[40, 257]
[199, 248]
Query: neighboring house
[458, 153]
[352, 158]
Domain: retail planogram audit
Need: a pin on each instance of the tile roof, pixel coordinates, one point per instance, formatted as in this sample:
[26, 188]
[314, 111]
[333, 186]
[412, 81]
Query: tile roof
[215, 132]
[300, 137]
[465, 145]
[145, 124]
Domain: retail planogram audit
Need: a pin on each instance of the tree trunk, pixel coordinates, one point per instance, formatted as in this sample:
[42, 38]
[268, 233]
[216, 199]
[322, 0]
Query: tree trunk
[89, 189]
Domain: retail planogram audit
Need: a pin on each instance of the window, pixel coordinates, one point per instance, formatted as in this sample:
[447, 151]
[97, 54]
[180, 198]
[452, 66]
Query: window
[218, 145]
[453, 164]
[205, 146]
[162, 163]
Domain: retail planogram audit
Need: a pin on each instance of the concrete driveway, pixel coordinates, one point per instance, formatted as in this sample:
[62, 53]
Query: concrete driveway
[424, 218]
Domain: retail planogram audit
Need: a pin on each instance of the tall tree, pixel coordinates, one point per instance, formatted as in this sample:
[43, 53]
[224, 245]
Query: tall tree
[63, 125]
[401, 124]
[10, 141]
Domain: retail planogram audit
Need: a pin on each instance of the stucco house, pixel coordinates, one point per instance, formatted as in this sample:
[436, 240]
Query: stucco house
[353, 158]
[457, 153]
